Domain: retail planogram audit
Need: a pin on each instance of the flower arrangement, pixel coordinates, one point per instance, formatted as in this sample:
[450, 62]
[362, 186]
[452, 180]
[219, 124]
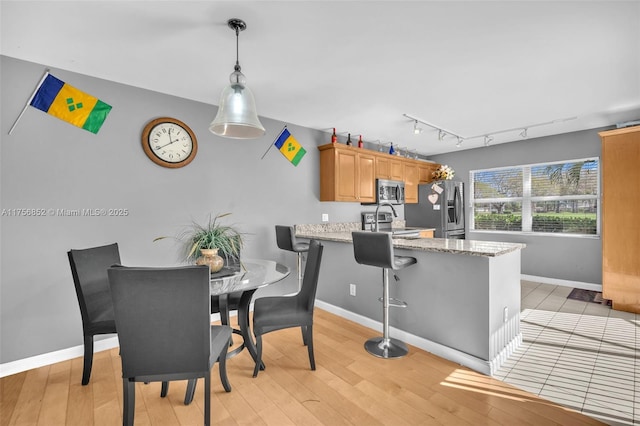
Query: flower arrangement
[444, 172]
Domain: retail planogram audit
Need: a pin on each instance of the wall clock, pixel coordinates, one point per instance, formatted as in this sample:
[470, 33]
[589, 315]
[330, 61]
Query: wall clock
[169, 142]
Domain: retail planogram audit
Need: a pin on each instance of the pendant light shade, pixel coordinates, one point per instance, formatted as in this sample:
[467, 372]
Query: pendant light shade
[237, 116]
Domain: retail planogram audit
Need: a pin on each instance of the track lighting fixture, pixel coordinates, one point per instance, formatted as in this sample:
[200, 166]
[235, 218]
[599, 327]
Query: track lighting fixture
[488, 137]
[416, 130]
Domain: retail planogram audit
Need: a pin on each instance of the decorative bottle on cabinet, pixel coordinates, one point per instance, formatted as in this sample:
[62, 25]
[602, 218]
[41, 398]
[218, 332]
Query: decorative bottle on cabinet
[620, 224]
[360, 143]
[349, 140]
[334, 137]
[391, 150]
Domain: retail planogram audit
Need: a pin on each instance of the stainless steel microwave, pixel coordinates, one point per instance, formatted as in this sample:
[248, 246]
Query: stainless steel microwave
[389, 191]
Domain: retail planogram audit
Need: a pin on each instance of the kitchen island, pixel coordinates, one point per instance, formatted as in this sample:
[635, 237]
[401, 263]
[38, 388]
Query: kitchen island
[463, 296]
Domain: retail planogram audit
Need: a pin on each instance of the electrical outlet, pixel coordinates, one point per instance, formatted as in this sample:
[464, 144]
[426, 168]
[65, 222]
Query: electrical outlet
[352, 289]
[506, 314]
[325, 217]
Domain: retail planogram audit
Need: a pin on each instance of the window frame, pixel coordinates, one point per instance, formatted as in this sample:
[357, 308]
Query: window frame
[527, 200]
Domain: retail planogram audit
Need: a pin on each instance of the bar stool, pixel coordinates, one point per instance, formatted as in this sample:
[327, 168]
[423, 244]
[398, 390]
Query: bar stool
[376, 249]
[286, 239]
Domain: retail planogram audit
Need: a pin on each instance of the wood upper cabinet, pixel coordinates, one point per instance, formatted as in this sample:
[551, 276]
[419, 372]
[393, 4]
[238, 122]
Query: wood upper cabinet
[349, 174]
[411, 176]
[425, 172]
[346, 174]
[620, 224]
[388, 167]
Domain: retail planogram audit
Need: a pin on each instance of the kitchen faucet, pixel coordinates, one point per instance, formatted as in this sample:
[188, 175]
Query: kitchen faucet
[375, 229]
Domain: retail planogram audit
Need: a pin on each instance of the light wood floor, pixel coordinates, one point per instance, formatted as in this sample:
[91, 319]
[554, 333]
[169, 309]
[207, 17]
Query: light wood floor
[349, 387]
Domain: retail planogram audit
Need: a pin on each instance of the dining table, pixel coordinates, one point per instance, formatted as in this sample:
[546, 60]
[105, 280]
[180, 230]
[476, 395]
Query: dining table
[245, 279]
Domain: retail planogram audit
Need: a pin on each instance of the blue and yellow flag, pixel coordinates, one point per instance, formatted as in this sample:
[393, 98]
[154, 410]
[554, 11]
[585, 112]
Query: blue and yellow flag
[69, 104]
[289, 147]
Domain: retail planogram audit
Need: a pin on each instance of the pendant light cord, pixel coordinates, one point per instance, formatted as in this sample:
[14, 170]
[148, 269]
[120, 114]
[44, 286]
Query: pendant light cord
[237, 67]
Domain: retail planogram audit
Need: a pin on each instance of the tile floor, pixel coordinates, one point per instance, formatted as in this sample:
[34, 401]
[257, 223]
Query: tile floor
[579, 354]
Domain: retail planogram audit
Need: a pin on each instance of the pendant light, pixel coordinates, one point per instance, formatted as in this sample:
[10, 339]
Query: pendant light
[237, 117]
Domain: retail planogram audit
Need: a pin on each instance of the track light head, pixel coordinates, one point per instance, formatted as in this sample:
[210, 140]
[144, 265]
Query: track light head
[487, 140]
[523, 133]
[459, 143]
[441, 134]
[416, 130]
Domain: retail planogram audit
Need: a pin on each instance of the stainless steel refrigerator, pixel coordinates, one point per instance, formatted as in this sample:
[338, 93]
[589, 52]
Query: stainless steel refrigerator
[440, 206]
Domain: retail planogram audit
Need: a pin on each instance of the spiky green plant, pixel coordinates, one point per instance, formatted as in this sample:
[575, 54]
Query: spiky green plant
[211, 235]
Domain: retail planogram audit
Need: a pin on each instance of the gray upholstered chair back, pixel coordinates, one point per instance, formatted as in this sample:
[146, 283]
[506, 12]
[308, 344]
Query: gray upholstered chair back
[89, 271]
[307, 294]
[373, 248]
[286, 239]
[163, 320]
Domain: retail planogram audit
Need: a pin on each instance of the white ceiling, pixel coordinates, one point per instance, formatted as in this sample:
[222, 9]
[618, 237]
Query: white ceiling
[472, 68]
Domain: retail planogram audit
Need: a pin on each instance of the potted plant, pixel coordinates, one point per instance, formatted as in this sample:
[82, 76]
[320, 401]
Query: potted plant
[198, 242]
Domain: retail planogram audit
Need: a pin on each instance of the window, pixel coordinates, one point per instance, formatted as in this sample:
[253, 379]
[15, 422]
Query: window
[557, 197]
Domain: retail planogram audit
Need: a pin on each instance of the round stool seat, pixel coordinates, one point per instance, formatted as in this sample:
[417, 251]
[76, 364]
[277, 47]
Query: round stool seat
[300, 247]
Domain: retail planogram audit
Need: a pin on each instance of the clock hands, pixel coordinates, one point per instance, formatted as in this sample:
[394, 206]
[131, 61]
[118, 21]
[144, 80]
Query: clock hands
[170, 141]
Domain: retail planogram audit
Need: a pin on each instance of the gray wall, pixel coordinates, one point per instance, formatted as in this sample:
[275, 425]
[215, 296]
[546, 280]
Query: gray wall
[47, 163]
[558, 257]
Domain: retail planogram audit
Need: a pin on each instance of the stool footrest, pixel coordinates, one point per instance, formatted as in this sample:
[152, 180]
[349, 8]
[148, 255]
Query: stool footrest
[394, 302]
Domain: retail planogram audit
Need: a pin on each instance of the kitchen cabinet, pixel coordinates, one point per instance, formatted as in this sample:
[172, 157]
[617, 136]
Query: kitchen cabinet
[425, 172]
[620, 224]
[410, 172]
[346, 174]
[388, 167]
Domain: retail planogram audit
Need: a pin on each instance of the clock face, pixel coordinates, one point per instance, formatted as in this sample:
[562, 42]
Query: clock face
[169, 142]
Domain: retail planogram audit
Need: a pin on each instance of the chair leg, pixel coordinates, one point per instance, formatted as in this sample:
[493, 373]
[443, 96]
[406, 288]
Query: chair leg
[191, 390]
[309, 335]
[222, 361]
[129, 393]
[258, 355]
[88, 359]
[207, 398]
[165, 389]
[304, 335]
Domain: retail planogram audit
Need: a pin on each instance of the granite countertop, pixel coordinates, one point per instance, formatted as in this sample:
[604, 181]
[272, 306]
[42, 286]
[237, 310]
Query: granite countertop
[341, 232]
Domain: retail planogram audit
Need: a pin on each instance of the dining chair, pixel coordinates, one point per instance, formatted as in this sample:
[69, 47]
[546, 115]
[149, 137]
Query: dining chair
[164, 327]
[280, 312]
[89, 270]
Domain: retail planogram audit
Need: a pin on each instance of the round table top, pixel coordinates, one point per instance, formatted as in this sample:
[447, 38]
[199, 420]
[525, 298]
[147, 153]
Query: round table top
[253, 274]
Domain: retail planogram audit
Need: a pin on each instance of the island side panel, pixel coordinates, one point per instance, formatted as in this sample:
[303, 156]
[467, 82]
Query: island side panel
[448, 297]
[504, 292]
[448, 294]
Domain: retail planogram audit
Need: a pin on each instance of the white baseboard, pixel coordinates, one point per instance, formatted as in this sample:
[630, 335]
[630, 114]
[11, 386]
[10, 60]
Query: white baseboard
[472, 362]
[14, 367]
[38, 361]
[565, 283]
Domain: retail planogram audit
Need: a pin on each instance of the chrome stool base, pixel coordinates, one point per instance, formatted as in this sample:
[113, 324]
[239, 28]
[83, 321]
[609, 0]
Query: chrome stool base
[386, 348]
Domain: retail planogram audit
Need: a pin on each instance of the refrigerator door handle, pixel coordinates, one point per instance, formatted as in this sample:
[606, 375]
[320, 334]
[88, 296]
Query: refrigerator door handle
[456, 204]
